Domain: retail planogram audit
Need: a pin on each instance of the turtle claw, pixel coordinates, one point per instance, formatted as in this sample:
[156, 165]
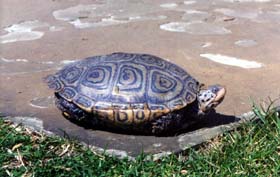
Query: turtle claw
[162, 125]
[157, 127]
[167, 124]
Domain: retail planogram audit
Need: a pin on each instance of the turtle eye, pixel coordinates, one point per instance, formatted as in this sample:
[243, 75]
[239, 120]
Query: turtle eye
[215, 89]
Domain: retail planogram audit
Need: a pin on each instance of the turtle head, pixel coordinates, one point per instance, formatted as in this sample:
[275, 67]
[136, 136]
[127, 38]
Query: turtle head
[210, 97]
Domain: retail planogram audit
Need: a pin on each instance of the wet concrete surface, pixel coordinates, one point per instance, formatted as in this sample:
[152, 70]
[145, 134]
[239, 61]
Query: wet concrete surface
[233, 43]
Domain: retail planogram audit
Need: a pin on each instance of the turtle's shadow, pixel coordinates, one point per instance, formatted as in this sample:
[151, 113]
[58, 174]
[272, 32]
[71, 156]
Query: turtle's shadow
[212, 119]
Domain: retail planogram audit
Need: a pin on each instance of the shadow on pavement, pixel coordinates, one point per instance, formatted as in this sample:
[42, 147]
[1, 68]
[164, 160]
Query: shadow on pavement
[212, 119]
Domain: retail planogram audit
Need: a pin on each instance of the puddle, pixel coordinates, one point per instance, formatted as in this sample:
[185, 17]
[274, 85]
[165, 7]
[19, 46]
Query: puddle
[246, 43]
[23, 32]
[232, 61]
[109, 13]
[42, 103]
[197, 27]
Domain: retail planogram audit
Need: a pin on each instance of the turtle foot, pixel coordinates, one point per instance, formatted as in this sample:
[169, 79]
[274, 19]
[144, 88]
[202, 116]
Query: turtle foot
[167, 124]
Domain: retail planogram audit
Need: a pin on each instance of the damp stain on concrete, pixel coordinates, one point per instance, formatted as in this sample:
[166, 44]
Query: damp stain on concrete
[246, 43]
[168, 5]
[248, 14]
[65, 62]
[13, 60]
[255, 15]
[206, 44]
[189, 2]
[244, 1]
[195, 15]
[232, 61]
[55, 28]
[25, 66]
[108, 13]
[268, 17]
[104, 22]
[195, 12]
[23, 31]
[42, 103]
[196, 28]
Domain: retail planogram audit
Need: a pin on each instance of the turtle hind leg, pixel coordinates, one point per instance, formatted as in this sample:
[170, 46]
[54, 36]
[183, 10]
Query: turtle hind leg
[73, 112]
[170, 124]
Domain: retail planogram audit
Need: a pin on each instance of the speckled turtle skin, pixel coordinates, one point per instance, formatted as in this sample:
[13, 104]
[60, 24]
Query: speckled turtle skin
[125, 91]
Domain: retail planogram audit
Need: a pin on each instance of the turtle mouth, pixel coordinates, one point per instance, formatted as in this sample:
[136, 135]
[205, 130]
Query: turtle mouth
[220, 95]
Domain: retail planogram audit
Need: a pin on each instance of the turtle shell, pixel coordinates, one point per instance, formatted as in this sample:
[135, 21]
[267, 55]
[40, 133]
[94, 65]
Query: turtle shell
[124, 87]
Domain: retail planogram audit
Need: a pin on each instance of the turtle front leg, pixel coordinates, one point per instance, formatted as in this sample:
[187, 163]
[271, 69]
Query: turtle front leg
[173, 122]
[167, 124]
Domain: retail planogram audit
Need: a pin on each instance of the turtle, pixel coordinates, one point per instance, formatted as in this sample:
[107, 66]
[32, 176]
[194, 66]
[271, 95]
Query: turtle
[132, 92]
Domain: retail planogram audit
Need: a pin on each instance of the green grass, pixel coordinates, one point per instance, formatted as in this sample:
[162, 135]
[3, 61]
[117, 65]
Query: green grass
[251, 150]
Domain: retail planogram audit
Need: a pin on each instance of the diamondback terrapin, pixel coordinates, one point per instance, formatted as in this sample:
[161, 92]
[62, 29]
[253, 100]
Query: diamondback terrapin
[132, 92]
